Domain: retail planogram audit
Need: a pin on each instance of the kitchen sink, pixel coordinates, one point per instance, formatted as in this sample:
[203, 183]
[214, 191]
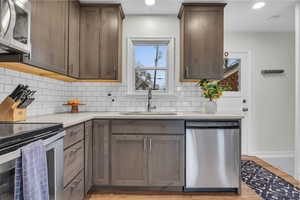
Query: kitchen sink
[149, 113]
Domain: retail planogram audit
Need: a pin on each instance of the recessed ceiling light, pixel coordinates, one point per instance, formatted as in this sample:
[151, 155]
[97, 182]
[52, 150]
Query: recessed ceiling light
[149, 2]
[258, 5]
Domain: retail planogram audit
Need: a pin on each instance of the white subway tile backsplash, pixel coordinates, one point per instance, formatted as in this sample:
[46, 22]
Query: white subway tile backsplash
[51, 94]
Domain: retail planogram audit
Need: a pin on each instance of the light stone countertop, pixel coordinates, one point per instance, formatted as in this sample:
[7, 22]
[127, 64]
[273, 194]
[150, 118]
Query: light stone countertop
[69, 119]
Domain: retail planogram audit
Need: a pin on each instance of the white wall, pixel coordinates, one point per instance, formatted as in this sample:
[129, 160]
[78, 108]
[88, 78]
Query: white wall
[273, 96]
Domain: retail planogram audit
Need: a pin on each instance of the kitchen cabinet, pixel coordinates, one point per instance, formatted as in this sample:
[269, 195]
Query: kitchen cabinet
[74, 166]
[129, 160]
[49, 30]
[100, 41]
[141, 126]
[74, 28]
[202, 40]
[101, 145]
[88, 158]
[73, 135]
[73, 161]
[74, 190]
[166, 160]
[141, 156]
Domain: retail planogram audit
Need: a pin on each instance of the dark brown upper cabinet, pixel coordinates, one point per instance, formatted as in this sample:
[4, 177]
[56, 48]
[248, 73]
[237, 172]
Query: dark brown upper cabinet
[49, 30]
[74, 28]
[100, 41]
[202, 40]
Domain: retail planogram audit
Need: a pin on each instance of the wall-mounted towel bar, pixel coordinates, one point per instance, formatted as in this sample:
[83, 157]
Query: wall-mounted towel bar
[272, 71]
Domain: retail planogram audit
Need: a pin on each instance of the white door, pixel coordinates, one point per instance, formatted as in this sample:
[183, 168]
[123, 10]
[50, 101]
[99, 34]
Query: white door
[240, 98]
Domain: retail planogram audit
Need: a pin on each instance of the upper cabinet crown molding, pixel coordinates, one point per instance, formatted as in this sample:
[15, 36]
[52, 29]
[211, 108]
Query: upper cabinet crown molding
[116, 5]
[194, 5]
[202, 41]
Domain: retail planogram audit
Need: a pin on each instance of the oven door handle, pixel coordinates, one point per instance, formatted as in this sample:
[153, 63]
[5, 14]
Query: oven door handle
[17, 153]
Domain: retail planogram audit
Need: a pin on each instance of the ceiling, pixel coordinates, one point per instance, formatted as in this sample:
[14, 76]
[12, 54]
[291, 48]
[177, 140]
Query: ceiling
[277, 15]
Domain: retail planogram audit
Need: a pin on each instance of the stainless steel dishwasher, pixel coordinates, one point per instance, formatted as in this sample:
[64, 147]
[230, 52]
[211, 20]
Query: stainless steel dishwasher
[213, 155]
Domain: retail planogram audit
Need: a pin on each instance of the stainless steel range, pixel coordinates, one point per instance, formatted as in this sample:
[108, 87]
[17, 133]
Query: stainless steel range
[15, 135]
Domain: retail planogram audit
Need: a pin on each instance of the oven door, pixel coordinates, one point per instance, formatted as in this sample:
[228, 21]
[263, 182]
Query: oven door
[55, 159]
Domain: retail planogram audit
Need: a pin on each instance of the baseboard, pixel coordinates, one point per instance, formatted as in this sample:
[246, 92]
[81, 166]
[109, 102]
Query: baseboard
[297, 176]
[283, 160]
[273, 154]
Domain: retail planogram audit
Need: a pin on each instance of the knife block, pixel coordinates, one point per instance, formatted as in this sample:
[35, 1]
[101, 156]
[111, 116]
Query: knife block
[9, 111]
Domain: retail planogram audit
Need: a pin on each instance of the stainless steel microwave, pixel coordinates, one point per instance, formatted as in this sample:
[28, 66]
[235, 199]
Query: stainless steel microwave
[15, 26]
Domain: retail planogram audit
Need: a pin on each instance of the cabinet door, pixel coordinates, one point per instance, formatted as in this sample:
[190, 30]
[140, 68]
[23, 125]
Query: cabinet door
[129, 160]
[74, 20]
[49, 34]
[110, 40]
[88, 151]
[90, 42]
[166, 160]
[101, 135]
[203, 42]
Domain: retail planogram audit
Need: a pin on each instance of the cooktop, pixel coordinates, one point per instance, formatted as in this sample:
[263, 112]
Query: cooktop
[15, 135]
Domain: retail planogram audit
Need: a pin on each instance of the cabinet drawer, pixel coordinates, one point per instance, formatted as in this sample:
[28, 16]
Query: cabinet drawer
[73, 162]
[148, 127]
[75, 190]
[73, 134]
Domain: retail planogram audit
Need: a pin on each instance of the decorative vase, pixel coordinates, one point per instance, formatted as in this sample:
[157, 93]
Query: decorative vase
[210, 107]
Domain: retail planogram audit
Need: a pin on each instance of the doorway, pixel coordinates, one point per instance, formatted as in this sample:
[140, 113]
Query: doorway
[238, 76]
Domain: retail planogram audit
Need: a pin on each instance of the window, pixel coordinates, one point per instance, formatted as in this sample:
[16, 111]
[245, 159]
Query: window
[232, 74]
[150, 65]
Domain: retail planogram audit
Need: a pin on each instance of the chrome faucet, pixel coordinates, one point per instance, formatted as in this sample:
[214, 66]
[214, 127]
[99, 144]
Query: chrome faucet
[149, 107]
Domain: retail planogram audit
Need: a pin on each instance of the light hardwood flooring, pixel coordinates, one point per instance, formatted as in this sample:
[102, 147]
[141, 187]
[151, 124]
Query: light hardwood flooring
[247, 193]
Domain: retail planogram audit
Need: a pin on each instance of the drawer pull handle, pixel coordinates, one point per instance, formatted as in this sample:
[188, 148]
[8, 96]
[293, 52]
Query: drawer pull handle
[73, 133]
[76, 150]
[75, 183]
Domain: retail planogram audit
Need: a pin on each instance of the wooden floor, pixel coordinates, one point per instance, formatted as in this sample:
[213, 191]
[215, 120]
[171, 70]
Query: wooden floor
[247, 193]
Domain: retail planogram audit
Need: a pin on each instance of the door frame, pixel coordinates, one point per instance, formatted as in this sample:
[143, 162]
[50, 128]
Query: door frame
[245, 73]
[297, 91]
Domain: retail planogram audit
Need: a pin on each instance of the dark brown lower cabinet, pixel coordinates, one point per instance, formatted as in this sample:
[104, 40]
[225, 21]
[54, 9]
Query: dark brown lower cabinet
[88, 161]
[147, 160]
[73, 161]
[129, 160]
[166, 160]
[75, 190]
[101, 141]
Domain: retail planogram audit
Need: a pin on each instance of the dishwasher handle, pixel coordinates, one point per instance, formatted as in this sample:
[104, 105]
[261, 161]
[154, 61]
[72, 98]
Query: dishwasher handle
[212, 124]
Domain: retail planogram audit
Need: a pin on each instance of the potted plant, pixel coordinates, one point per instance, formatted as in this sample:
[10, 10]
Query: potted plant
[211, 90]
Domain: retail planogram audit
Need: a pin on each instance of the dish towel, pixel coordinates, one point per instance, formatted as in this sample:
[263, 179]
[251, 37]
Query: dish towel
[31, 173]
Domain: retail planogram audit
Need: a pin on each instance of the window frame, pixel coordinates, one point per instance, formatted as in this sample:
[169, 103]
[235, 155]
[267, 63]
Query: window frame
[169, 41]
